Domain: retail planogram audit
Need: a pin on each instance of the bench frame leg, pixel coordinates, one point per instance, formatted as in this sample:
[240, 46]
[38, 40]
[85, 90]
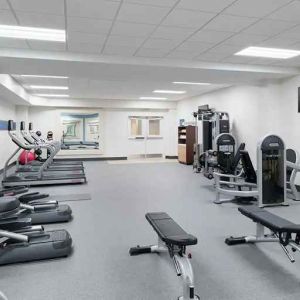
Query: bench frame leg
[182, 265]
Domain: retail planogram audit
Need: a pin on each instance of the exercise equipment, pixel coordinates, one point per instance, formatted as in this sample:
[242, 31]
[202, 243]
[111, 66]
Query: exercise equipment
[292, 169]
[268, 185]
[217, 143]
[37, 136]
[21, 242]
[282, 231]
[174, 240]
[39, 178]
[33, 167]
[25, 157]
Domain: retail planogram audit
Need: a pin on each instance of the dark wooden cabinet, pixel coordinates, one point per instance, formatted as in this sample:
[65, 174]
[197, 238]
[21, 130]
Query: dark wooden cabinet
[186, 141]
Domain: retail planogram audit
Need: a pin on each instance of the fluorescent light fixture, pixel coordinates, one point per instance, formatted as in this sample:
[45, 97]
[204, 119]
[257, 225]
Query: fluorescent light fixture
[44, 76]
[52, 95]
[268, 52]
[48, 87]
[169, 92]
[153, 98]
[32, 33]
[191, 83]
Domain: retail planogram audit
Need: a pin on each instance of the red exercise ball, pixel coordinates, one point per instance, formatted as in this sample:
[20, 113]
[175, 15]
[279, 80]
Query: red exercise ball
[26, 157]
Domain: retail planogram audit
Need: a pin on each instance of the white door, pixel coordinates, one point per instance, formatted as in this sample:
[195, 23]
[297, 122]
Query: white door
[145, 136]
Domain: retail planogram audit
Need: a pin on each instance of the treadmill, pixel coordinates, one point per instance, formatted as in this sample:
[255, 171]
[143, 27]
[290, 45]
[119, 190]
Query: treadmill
[21, 242]
[34, 166]
[57, 144]
[41, 177]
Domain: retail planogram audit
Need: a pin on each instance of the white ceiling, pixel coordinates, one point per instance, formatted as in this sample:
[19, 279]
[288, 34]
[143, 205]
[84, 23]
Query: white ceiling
[195, 30]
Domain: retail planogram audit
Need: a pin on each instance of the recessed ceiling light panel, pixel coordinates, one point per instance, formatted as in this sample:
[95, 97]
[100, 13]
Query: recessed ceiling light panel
[32, 33]
[169, 92]
[153, 98]
[191, 83]
[52, 95]
[268, 52]
[47, 87]
[43, 76]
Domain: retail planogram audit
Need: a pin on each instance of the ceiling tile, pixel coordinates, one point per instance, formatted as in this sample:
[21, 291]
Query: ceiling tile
[180, 55]
[208, 56]
[4, 4]
[40, 6]
[244, 39]
[89, 25]
[154, 43]
[118, 40]
[7, 18]
[269, 27]
[205, 5]
[264, 61]
[41, 20]
[144, 52]
[235, 59]
[132, 29]
[255, 8]
[278, 41]
[172, 33]
[142, 14]
[13, 43]
[194, 47]
[290, 12]
[292, 33]
[119, 50]
[83, 37]
[84, 47]
[98, 9]
[187, 18]
[226, 49]
[210, 36]
[230, 23]
[49, 46]
[164, 3]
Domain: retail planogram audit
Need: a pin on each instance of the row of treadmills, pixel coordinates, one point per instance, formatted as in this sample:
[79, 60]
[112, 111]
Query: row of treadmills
[24, 213]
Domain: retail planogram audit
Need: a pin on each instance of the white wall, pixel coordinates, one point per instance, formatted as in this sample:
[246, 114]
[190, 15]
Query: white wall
[7, 111]
[113, 127]
[255, 111]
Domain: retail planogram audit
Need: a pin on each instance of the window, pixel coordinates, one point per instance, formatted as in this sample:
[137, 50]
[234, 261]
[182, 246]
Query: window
[136, 127]
[154, 127]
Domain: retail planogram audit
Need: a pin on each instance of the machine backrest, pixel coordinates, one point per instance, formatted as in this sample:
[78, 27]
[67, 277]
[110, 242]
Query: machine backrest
[291, 156]
[30, 126]
[225, 143]
[237, 158]
[250, 174]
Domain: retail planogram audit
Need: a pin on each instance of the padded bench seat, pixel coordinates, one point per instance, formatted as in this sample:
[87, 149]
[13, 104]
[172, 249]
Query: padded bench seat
[269, 220]
[169, 231]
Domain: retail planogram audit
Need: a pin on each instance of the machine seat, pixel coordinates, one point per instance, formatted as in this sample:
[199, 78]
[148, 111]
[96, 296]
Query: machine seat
[8, 204]
[269, 220]
[169, 231]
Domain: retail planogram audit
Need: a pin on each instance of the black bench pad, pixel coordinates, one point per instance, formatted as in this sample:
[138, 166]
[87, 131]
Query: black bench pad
[169, 231]
[269, 220]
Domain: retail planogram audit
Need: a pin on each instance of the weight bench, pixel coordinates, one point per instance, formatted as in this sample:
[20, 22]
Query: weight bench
[173, 239]
[282, 231]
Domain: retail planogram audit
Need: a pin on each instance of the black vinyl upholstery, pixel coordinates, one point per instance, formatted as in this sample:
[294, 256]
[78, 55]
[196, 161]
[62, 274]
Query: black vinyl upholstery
[8, 204]
[269, 220]
[169, 231]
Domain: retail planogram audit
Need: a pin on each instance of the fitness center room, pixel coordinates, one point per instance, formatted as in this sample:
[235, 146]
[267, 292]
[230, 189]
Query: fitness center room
[149, 149]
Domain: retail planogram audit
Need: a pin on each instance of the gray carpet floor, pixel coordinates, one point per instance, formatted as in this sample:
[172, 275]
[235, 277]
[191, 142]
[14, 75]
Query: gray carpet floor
[105, 227]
